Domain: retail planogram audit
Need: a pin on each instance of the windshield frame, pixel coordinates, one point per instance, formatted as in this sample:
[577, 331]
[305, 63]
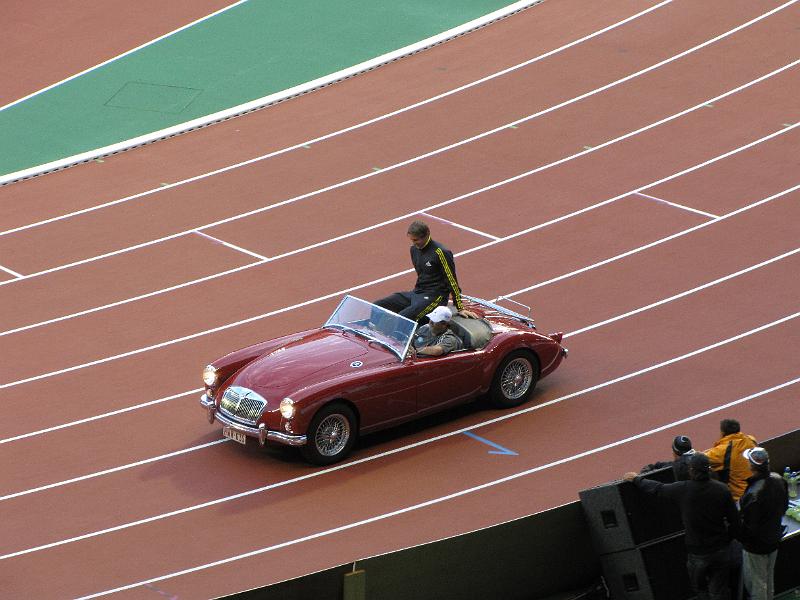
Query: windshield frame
[374, 325]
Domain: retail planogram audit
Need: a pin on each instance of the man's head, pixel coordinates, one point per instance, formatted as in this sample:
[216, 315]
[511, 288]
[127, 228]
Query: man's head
[758, 458]
[699, 467]
[681, 445]
[419, 234]
[439, 318]
[729, 426]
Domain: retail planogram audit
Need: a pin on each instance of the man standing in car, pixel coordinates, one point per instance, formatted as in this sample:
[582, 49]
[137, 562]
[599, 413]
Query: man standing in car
[436, 278]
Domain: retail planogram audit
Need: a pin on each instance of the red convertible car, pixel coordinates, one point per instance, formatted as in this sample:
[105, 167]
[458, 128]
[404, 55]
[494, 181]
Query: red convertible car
[320, 389]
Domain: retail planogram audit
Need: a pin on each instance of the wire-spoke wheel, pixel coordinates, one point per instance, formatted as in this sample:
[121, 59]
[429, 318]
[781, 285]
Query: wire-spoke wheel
[331, 435]
[515, 379]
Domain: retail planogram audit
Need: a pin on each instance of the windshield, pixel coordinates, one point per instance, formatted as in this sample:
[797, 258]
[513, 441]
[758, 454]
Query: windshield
[375, 323]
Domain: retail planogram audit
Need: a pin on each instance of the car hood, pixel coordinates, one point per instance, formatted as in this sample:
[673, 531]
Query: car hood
[315, 357]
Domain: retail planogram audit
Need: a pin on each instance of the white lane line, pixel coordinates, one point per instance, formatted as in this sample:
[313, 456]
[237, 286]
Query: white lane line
[101, 416]
[624, 194]
[685, 293]
[237, 269]
[652, 244]
[681, 206]
[10, 272]
[573, 333]
[538, 285]
[123, 55]
[504, 417]
[346, 129]
[132, 299]
[387, 277]
[459, 225]
[452, 496]
[231, 246]
[404, 163]
[112, 470]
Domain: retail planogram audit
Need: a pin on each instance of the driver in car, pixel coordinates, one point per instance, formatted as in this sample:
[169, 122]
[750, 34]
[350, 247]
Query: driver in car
[436, 338]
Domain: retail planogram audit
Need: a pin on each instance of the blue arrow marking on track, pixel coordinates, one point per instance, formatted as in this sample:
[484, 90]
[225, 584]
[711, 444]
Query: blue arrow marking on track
[500, 449]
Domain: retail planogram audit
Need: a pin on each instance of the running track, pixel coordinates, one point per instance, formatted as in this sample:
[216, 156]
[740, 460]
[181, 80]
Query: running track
[638, 188]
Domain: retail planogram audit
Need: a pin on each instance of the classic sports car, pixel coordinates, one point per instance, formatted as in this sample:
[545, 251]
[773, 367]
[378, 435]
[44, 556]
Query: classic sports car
[320, 389]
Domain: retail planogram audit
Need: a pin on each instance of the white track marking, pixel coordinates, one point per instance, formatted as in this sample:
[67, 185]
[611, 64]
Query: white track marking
[403, 448]
[404, 163]
[231, 246]
[133, 299]
[10, 272]
[112, 470]
[573, 333]
[623, 195]
[459, 225]
[511, 294]
[652, 244]
[387, 277]
[681, 206]
[684, 293]
[452, 496]
[261, 102]
[101, 416]
[237, 269]
[123, 55]
[409, 161]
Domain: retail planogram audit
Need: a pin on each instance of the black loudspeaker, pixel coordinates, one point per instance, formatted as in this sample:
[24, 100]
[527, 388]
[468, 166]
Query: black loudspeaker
[652, 571]
[620, 517]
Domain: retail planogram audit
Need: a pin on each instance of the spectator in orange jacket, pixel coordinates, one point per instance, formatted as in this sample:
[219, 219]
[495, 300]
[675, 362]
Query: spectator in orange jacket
[727, 457]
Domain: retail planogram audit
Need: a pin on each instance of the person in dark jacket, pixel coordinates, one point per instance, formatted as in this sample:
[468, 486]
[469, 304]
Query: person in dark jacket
[682, 451]
[436, 278]
[711, 521]
[762, 507]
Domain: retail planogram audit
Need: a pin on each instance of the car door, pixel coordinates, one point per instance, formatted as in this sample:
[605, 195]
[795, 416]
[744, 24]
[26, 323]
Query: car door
[389, 397]
[445, 380]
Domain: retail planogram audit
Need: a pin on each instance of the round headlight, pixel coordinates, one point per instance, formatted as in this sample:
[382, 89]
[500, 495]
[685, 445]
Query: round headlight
[287, 408]
[209, 375]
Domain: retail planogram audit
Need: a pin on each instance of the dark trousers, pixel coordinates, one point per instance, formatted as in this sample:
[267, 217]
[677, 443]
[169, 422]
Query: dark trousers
[709, 574]
[411, 305]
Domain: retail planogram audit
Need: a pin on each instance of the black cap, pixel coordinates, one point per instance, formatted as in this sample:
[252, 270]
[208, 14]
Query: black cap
[681, 445]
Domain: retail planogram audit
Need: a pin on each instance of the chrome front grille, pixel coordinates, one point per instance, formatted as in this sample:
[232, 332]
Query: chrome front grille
[242, 404]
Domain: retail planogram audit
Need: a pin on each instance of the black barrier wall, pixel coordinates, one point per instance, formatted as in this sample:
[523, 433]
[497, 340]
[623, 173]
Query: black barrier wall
[531, 558]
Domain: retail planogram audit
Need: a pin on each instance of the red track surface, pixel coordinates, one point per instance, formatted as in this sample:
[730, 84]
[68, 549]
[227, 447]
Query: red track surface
[96, 377]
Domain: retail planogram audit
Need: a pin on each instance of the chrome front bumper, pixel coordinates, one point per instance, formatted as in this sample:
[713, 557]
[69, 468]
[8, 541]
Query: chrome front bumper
[261, 433]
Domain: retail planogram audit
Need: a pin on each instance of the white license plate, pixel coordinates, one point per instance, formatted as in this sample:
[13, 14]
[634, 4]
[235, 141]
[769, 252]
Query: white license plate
[232, 434]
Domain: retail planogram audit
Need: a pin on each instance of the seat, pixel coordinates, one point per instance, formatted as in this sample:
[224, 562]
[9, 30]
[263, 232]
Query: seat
[474, 333]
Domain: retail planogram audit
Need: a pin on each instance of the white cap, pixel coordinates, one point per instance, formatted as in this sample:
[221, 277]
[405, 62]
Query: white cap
[439, 314]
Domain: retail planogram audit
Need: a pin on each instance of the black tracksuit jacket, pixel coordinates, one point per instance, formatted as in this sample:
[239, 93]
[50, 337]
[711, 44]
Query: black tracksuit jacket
[436, 271]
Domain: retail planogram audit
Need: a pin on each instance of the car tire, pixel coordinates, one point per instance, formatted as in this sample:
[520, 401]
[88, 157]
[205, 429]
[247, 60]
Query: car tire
[331, 435]
[514, 379]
